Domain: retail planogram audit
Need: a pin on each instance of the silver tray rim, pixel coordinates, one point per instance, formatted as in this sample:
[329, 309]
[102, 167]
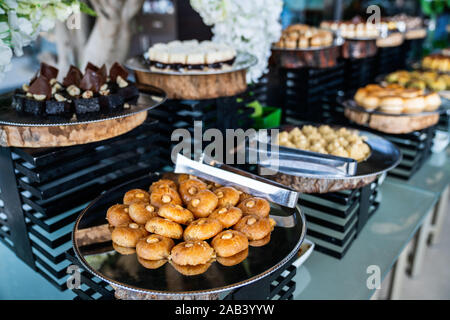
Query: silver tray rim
[186, 293]
[243, 61]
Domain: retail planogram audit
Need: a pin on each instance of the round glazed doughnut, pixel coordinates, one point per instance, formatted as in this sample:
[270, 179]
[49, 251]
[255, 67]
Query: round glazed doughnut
[254, 227]
[261, 242]
[163, 183]
[203, 203]
[123, 250]
[164, 227]
[154, 247]
[190, 187]
[228, 196]
[136, 195]
[164, 195]
[140, 212]
[228, 216]
[256, 206]
[202, 229]
[229, 242]
[118, 215]
[128, 236]
[176, 213]
[192, 253]
[151, 264]
[188, 270]
[233, 260]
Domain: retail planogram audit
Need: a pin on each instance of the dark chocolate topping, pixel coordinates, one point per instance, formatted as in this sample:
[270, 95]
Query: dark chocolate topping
[117, 70]
[41, 86]
[103, 74]
[73, 77]
[91, 81]
[92, 67]
[48, 71]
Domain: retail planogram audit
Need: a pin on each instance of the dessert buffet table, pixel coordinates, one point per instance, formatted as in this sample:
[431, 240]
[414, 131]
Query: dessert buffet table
[403, 210]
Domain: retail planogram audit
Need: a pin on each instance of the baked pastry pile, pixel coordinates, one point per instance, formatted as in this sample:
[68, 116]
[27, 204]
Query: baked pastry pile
[189, 222]
[324, 139]
[303, 36]
[396, 99]
[420, 79]
[353, 29]
[191, 55]
[436, 62]
[79, 93]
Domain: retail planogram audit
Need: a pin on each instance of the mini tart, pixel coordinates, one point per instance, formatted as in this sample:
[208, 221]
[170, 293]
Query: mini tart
[227, 196]
[123, 250]
[191, 187]
[229, 242]
[256, 206]
[176, 213]
[261, 242]
[154, 247]
[164, 195]
[228, 216]
[255, 227]
[163, 183]
[136, 195]
[202, 229]
[233, 260]
[164, 227]
[128, 236]
[151, 264]
[118, 215]
[188, 270]
[192, 253]
[141, 212]
[413, 105]
[203, 203]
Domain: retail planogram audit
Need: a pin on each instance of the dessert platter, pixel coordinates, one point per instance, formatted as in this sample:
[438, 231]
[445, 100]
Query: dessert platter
[180, 235]
[193, 70]
[393, 108]
[322, 159]
[412, 27]
[85, 107]
[301, 45]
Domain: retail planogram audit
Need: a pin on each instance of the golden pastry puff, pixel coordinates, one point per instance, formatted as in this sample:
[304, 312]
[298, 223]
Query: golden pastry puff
[228, 196]
[136, 195]
[190, 187]
[140, 212]
[128, 236]
[229, 242]
[188, 270]
[255, 227]
[163, 183]
[154, 247]
[233, 260]
[256, 206]
[164, 195]
[118, 215]
[192, 253]
[176, 213]
[203, 203]
[164, 227]
[228, 216]
[202, 229]
[151, 264]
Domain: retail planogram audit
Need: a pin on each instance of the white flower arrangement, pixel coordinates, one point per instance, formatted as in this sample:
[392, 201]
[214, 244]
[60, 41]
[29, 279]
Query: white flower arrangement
[249, 26]
[21, 21]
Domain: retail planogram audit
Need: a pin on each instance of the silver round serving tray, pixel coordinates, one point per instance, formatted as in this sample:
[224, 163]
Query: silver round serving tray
[125, 272]
[243, 61]
[149, 98]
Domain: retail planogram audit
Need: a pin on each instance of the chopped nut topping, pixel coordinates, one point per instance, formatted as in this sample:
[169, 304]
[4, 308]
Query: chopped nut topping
[87, 94]
[192, 190]
[126, 106]
[251, 221]
[188, 245]
[250, 204]
[219, 194]
[73, 90]
[60, 98]
[57, 87]
[166, 199]
[53, 81]
[122, 83]
[39, 97]
[104, 87]
[150, 208]
[223, 210]
[195, 202]
[104, 92]
[133, 226]
[29, 95]
[227, 235]
[25, 87]
[152, 240]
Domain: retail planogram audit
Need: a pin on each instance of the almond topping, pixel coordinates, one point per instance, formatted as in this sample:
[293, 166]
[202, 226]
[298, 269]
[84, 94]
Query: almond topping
[250, 204]
[227, 235]
[150, 208]
[140, 195]
[152, 240]
[166, 199]
[133, 226]
[188, 245]
[219, 194]
[195, 202]
[223, 210]
[251, 221]
[192, 190]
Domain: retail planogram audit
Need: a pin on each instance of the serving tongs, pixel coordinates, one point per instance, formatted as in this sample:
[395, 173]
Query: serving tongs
[257, 186]
[295, 161]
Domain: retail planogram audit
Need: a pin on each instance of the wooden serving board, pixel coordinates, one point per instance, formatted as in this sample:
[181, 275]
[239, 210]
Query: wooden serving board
[196, 87]
[68, 135]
